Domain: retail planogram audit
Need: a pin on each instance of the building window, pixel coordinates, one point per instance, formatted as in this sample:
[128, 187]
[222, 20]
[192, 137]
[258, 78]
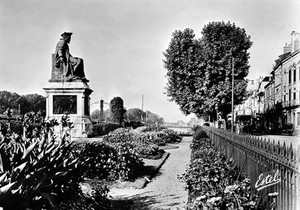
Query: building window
[290, 94]
[290, 76]
[295, 75]
[298, 118]
[294, 95]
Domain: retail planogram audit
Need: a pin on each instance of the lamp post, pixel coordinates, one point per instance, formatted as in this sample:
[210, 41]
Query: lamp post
[232, 94]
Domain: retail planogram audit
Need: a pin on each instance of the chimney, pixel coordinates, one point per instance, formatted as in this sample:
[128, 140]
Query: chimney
[286, 48]
[295, 41]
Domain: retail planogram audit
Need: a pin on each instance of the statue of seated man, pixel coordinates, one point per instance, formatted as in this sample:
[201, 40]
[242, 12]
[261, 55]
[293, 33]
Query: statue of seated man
[73, 66]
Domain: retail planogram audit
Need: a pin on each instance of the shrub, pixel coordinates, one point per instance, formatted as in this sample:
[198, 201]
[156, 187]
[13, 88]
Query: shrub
[37, 172]
[99, 158]
[199, 133]
[160, 135]
[103, 128]
[128, 160]
[133, 124]
[171, 136]
[154, 137]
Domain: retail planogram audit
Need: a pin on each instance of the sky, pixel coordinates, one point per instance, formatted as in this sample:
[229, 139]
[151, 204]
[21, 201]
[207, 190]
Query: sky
[122, 42]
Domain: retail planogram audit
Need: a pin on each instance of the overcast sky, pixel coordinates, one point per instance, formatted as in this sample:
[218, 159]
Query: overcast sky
[122, 42]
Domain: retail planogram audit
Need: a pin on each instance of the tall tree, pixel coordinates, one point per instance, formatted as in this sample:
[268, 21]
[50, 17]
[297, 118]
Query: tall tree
[117, 110]
[199, 71]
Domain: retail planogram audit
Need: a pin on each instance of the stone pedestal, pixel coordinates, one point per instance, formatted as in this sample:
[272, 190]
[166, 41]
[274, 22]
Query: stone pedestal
[70, 98]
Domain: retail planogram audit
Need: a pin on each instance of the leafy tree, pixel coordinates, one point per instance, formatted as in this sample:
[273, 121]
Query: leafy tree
[37, 102]
[199, 71]
[13, 101]
[95, 115]
[7, 100]
[135, 114]
[117, 110]
[107, 115]
[152, 118]
[27, 103]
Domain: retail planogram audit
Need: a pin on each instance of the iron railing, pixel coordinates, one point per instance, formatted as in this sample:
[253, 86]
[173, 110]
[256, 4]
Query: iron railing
[256, 155]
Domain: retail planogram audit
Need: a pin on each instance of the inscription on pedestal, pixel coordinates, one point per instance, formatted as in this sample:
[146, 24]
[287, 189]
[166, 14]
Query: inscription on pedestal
[64, 104]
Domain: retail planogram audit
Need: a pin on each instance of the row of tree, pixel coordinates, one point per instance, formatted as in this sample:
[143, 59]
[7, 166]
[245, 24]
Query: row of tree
[117, 113]
[22, 103]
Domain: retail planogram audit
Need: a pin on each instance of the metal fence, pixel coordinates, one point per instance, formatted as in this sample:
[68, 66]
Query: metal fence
[256, 155]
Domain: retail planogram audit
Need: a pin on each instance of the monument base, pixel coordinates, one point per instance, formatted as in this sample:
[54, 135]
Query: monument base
[72, 99]
[82, 127]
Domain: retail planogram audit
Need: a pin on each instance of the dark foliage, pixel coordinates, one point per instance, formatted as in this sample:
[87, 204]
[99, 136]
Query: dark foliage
[27, 103]
[37, 170]
[117, 110]
[103, 128]
[199, 71]
[214, 182]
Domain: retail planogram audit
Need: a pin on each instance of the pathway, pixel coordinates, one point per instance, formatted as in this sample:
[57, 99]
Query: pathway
[165, 191]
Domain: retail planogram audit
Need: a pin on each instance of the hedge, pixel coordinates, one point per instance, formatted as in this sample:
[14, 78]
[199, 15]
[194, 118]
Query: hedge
[103, 129]
[214, 182]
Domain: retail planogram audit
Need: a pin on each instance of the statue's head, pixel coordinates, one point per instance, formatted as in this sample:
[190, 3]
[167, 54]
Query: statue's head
[67, 36]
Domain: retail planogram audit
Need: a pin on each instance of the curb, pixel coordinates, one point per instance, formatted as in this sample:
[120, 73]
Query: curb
[147, 179]
[142, 182]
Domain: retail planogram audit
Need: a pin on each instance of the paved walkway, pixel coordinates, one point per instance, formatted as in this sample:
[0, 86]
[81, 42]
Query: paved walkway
[165, 191]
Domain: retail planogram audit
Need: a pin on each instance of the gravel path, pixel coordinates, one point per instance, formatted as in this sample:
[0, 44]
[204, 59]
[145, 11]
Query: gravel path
[165, 191]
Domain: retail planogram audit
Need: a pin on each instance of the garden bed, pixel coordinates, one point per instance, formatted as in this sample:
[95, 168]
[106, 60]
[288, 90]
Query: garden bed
[214, 182]
[41, 171]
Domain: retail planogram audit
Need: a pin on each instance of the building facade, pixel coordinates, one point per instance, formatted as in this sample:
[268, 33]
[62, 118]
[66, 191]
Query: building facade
[291, 82]
[282, 93]
[277, 96]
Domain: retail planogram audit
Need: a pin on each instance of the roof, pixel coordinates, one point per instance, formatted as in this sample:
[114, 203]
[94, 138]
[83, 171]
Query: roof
[280, 59]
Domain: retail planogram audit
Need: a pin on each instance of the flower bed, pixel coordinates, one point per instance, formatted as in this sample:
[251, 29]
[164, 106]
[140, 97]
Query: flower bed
[144, 144]
[159, 136]
[214, 182]
[140, 144]
[110, 161]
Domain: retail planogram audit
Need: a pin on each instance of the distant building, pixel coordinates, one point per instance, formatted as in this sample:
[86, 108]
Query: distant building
[254, 104]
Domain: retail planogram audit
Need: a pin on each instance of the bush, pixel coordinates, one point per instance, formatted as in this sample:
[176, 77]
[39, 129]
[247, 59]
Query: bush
[133, 124]
[37, 172]
[99, 158]
[15, 126]
[154, 137]
[214, 182]
[199, 133]
[103, 129]
[128, 160]
[145, 144]
[171, 136]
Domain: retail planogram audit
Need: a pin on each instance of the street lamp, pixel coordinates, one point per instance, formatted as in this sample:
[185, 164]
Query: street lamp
[232, 94]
